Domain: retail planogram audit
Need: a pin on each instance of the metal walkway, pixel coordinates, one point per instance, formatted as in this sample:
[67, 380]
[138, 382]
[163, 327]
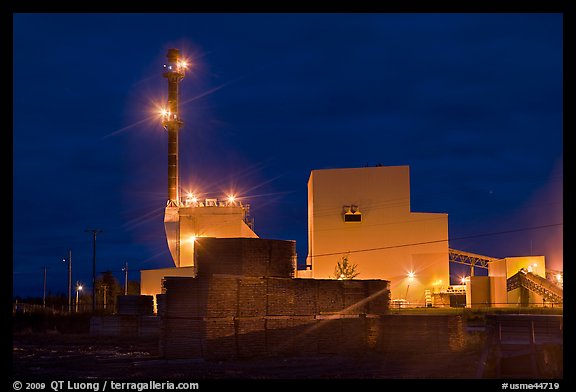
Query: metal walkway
[470, 259]
[536, 284]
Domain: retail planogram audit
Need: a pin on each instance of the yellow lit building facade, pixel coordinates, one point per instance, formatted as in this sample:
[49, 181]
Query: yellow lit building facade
[365, 213]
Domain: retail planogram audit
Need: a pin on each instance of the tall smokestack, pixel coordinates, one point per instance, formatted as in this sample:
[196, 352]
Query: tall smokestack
[174, 72]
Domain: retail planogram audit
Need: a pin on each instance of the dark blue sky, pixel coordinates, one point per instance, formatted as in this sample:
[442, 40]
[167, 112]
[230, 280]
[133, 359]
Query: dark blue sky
[472, 102]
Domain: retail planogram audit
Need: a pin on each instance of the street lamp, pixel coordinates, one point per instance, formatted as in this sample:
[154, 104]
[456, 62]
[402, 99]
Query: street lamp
[78, 289]
[411, 275]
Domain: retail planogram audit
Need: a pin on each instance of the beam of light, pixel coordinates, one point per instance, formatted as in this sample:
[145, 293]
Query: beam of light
[264, 183]
[331, 317]
[213, 90]
[118, 131]
[225, 84]
[208, 92]
[218, 181]
[161, 253]
[268, 194]
[159, 110]
[140, 220]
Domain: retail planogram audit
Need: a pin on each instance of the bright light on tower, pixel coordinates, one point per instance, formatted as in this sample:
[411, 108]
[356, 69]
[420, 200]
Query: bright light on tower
[463, 279]
[231, 199]
[411, 275]
[183, 64]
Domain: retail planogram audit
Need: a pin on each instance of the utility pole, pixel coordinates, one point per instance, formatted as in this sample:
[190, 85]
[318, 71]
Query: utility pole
[125, 269]
[94, 234]
[44, 295]
[69, 263]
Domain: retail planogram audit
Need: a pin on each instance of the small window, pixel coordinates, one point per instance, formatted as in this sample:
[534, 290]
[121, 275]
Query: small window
[356, 217]
[352, 213]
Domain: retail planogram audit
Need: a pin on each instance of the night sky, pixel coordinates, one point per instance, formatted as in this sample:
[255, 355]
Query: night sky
[471, 102]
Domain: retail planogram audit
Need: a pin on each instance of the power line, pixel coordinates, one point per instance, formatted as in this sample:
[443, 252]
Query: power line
[443, 240]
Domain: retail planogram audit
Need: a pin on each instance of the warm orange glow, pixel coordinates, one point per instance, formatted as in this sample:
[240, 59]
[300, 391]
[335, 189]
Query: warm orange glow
[192, 239]
[182, 64]
[164, 112]
[411, 275]
[231, 198]
[559, 277]
[191, 197]
[80, 288]
[463, 279]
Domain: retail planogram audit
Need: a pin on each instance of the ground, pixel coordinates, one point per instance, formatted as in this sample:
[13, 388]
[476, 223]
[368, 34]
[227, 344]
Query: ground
[81, 356]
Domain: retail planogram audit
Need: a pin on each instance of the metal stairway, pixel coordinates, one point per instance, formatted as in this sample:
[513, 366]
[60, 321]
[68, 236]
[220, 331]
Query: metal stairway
[536, 284]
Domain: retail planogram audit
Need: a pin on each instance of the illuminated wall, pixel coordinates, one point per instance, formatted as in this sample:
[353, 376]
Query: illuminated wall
[184, 224]
[368, 210]
[151, 280]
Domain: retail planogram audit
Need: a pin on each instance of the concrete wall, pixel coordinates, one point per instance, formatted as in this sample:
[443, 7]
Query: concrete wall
[478, 292]
[388, 226]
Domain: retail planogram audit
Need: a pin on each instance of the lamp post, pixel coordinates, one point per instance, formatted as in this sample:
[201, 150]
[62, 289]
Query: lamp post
[125, 270]
[410, 278]
[78, 289]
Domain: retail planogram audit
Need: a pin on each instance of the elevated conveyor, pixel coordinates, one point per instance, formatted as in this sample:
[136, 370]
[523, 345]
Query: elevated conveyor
[536, 284]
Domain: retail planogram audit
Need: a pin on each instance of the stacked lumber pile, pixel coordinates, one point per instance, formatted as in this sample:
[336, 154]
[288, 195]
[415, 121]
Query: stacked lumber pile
[227, 316]
[244, 303]
[245, 256]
